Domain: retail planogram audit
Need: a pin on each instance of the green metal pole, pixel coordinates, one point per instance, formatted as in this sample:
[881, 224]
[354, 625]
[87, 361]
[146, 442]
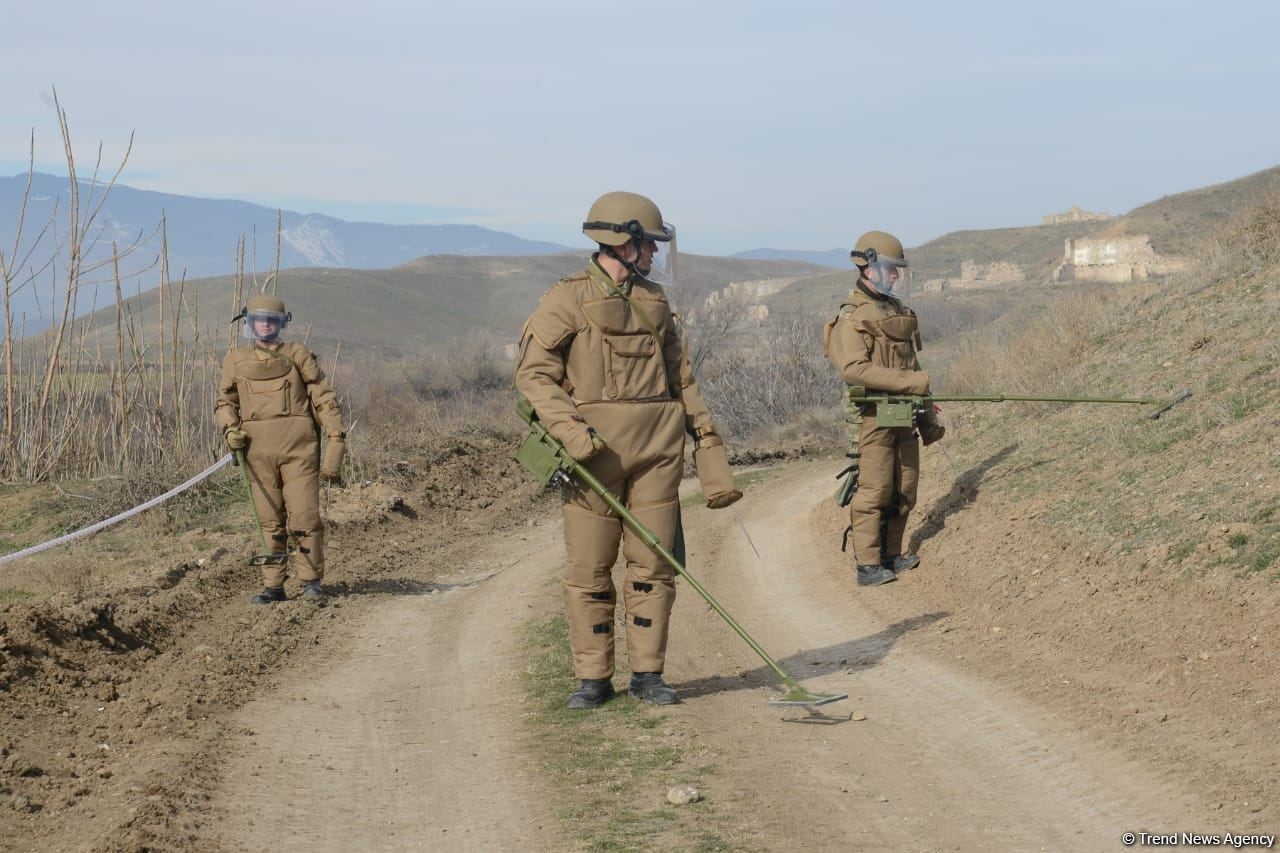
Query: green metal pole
[1001, 398]
[266, 558]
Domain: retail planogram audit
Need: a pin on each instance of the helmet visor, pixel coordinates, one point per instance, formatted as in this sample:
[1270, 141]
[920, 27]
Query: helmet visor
[890, 275]
[264, 325]
[658, 252]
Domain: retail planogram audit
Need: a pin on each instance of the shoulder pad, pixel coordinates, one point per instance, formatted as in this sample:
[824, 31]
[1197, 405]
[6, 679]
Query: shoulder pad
[649, 289]
[296, 351]
[555, 319]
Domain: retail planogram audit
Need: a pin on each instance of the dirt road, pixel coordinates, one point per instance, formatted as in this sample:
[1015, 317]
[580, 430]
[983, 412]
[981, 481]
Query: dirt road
[409, 739]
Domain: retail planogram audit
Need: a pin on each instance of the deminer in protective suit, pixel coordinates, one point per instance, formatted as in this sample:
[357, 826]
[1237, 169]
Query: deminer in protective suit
[873, 343]
[273, 401]
[602, 362]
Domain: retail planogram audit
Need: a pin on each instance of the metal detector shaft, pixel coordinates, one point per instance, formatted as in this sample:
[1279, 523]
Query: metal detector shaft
[266, 558]
[564, 464]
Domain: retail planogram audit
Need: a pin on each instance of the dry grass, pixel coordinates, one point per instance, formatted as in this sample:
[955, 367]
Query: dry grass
[1193, 490]
[401, 411]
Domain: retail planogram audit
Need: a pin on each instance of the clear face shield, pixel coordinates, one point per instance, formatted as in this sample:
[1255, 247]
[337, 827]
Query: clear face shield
[264, 326]
[657, 260]
[889, 275]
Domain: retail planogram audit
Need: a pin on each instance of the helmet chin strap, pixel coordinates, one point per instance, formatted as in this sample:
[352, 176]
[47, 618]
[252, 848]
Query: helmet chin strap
[612, 252]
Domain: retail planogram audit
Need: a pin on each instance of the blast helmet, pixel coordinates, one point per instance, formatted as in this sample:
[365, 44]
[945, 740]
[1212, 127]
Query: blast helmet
[265, 318]
[880, 258]
[619, 218]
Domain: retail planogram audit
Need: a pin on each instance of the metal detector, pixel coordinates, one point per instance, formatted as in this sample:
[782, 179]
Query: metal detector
[547, 460]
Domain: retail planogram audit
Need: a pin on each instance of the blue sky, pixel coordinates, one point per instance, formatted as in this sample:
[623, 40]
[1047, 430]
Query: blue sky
[796, 124]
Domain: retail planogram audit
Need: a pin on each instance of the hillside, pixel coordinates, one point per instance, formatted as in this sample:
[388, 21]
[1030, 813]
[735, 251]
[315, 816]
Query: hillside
[1176, 223]
[1090, 636]
[1088, 647]
[434, 301]
[1179, 223]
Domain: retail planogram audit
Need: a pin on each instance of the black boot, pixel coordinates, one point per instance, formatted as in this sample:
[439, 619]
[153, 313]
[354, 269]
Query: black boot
[592, 693]
[901, 562]
[313, 592]
[649, 687]
[874, 575]
[270, 595]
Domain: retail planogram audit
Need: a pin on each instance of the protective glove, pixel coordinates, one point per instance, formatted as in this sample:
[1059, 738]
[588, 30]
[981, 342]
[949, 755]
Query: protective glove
[584, 443]
[335, 450]
[714, 474]
[236, 438]
[929, 428]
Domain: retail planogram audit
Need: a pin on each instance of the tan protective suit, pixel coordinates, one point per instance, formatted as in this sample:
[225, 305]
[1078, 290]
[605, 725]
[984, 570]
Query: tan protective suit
[281, 399]
[873, 343]
[591, 358]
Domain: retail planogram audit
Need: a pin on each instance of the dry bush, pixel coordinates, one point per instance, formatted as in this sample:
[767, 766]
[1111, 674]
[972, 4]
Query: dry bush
[403, 411]
[773, 378]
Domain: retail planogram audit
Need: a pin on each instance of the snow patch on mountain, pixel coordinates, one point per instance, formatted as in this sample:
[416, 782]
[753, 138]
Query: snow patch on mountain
[312, 239]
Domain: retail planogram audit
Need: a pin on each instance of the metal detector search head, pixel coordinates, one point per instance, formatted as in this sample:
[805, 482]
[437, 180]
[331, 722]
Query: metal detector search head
[798, 697]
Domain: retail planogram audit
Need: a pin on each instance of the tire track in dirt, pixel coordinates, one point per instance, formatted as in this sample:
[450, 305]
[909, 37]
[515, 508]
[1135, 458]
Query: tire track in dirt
[944, 760]
[410, 740]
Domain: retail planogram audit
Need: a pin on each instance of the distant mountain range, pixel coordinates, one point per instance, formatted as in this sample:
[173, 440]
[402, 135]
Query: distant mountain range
[203, 235]
[440, 263]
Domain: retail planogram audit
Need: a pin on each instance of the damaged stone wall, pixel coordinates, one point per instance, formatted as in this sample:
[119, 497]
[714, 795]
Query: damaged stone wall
[1113, 260]
[974, 275]
[748, 294]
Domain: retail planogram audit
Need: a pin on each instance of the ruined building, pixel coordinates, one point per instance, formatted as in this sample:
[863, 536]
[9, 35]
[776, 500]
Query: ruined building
[974, 275]
[1075, 214]
[1113, 259]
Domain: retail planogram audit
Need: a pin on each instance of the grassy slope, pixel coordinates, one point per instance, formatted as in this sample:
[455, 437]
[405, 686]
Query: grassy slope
[1193, 492]
[435, 301]
[1177, 224]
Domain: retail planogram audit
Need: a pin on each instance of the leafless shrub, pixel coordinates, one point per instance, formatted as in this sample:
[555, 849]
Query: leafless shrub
[87, 405]
[403, 410]
[771, 379]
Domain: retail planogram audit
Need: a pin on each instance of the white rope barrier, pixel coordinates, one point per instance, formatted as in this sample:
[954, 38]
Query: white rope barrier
[94, 528]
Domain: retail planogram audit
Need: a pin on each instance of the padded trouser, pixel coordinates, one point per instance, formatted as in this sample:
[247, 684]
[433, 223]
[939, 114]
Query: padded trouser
[641, 466]
[887, 484]
[283, 458]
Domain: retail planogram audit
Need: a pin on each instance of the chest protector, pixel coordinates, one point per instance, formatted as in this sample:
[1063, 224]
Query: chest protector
[269, 388]
[895, 335]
